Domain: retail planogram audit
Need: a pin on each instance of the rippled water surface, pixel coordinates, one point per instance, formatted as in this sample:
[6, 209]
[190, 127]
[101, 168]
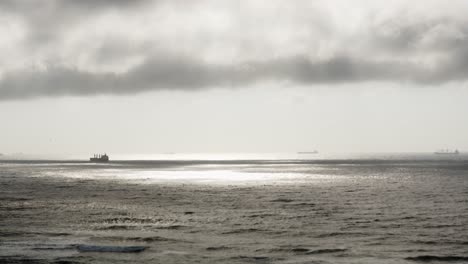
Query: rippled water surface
[385, 210]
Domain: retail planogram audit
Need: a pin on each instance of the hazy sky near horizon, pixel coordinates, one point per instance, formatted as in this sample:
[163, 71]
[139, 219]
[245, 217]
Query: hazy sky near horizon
[80, 77]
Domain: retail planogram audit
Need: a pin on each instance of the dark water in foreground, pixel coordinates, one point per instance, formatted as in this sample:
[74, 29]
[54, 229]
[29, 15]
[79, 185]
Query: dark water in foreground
[276, 211]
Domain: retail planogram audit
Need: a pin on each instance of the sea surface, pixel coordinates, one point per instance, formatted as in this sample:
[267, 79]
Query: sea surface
[275, 208]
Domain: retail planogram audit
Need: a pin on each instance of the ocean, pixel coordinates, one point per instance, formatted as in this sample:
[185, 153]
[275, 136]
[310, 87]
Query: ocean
[275, 208]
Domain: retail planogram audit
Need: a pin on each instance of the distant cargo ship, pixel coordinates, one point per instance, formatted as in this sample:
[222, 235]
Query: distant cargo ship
[99, 158]
[308, 152]
[447, 152]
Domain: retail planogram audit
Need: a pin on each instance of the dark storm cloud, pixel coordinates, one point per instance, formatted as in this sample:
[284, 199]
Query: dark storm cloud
[182, 73]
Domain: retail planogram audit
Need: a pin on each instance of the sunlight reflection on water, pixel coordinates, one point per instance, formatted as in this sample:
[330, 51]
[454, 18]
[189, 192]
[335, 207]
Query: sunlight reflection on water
[195, 176]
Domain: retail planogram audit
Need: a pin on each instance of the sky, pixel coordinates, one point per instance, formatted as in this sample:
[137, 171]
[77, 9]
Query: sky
[80, 77]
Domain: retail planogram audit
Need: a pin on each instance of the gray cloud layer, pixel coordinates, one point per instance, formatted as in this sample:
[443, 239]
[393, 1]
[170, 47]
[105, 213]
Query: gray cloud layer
[47, 19]
[189, 74]
[426, 51]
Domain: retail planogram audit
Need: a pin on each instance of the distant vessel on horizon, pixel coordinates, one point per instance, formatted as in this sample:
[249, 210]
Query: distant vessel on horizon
[99, 158]
[308, 152]
[447, 152]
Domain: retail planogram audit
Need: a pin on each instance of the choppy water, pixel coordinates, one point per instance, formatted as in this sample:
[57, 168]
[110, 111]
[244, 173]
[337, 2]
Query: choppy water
[399, 209]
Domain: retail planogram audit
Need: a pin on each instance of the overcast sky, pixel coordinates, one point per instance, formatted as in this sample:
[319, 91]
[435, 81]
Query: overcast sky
[140, 76]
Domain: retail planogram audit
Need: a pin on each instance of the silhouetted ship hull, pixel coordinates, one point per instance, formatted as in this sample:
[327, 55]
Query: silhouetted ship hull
[447, 152]
[99, 158]
[308, 152]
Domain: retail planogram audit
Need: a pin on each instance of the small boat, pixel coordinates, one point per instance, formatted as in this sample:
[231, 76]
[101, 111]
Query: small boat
[447, 152]
[99, 158]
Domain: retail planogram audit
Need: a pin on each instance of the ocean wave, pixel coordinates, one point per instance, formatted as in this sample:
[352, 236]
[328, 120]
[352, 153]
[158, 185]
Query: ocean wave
[18, 259]
[282, 200]
[326, 251]
[337, 234]
[307, 251]
[290, 250]
[128, 220]
[218, 248]
[243, 231]
[260, 215]
[28, 234]
[429, 258]
[116, 249]
[253, 258]
[171, 227]
[117, 227]
[304, 204]
[15, 199]
[54, 247]
[148, 239]
[440, 242]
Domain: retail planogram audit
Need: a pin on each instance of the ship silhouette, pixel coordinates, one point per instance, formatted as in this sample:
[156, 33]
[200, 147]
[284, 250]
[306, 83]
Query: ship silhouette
[99, 158]
[447, 152]
[308, 152]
